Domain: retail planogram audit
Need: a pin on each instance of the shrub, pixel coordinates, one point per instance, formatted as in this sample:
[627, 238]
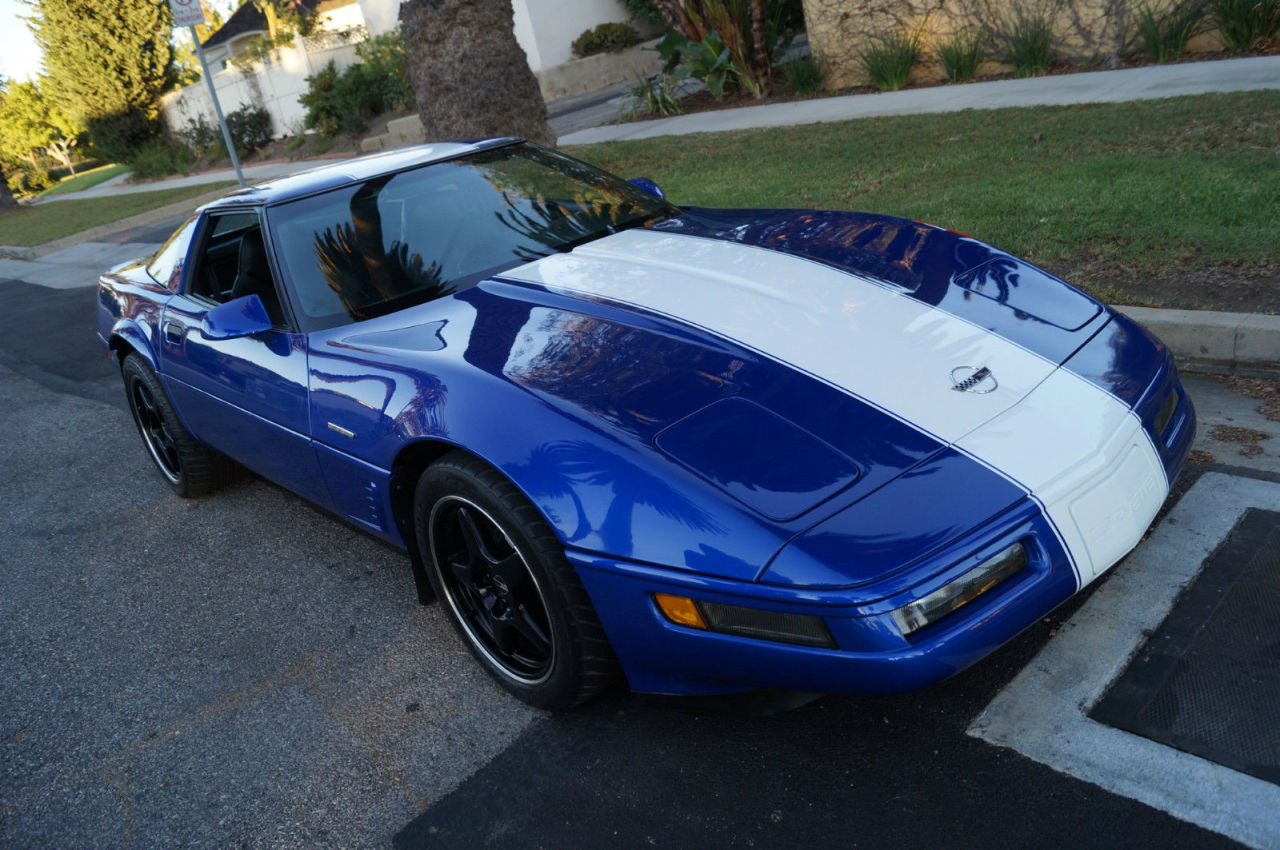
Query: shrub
[960, 56]
[322, 100]
[344, 102]
[28, 180]
[646, 11]
[1164, 34]
[1247, 25]
[653, 95]
[160, 158]
[203, 137]
[250, 128]
[714, 41]
[385, 66]
[116, 137]
[1028, 42]
[606, 38]
[890, 57]
[803, 75]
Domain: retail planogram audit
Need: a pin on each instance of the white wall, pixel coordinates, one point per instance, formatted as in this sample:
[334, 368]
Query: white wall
[279, 84]
[554, 24]
[380, 15]
[544, 28]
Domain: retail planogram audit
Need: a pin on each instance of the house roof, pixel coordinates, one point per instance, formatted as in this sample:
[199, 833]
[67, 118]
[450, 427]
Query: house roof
[249, 19]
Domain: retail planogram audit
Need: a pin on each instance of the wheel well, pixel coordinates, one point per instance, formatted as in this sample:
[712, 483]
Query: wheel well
[405, 472]
[120, 349]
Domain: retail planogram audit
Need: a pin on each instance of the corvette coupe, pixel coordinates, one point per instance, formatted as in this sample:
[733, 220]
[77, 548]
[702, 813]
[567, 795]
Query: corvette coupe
[706, 450]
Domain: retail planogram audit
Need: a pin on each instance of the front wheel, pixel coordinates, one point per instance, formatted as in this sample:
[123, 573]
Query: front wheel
[190, 468]
[502, 578]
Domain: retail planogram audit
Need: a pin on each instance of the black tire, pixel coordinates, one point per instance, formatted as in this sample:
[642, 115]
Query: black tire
[502, 578]
[189, 467]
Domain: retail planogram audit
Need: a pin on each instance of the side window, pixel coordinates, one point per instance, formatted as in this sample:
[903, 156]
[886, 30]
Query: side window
[233, 263]
[166, 266]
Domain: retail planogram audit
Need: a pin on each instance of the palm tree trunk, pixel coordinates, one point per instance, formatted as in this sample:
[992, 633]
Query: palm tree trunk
[470, 75]
[761, 57]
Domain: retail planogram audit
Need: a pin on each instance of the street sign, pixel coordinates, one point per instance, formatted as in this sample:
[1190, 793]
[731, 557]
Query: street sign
[187, 13]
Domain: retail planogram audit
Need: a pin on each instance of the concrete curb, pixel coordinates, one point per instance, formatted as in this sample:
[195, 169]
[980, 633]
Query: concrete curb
[19, 252]
[1216, 342]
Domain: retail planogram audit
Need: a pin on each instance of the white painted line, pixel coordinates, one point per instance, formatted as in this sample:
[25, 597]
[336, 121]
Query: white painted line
[1042, 712]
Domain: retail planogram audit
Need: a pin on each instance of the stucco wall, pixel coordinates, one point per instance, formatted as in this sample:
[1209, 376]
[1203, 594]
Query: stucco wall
[1085, 31]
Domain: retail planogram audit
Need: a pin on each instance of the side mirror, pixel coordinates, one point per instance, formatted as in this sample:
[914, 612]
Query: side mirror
[648, 185]
[239, 317]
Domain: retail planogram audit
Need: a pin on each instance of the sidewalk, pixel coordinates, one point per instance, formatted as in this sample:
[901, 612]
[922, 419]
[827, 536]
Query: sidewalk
[1148, 82]
[252, 174]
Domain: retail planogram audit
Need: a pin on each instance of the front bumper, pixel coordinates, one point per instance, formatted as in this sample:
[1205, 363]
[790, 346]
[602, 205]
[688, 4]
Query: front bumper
[872, 656]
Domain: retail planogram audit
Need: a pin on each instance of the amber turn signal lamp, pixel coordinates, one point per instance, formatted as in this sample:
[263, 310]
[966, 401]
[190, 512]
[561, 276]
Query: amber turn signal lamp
[680, 610]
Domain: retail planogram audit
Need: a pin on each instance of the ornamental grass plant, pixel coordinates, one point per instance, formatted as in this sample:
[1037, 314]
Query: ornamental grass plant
[961, 54]
[1164, 32]
[889, 58]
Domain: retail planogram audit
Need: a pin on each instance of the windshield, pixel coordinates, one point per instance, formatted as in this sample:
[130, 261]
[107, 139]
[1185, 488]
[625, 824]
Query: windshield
[406, 238]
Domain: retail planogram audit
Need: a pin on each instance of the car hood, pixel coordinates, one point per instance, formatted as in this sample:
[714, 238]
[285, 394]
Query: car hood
[688, 401]
[848, 331]
[957, 274]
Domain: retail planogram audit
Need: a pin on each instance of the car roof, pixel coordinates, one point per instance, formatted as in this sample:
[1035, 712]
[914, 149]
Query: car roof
[352, 170]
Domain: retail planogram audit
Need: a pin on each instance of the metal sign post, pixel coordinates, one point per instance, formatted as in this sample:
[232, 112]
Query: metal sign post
[189, 13]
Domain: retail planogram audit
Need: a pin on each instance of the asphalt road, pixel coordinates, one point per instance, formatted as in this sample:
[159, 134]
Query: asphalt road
[243, 670]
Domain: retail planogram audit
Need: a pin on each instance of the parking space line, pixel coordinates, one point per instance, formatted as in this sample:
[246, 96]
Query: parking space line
[1042, 713]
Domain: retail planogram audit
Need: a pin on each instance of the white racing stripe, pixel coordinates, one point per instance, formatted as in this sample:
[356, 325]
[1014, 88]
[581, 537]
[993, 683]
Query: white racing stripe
[887, 348]
[1087, 459]
[898, 354]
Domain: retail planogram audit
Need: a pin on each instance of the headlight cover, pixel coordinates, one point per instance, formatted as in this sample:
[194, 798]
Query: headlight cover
[964, 589]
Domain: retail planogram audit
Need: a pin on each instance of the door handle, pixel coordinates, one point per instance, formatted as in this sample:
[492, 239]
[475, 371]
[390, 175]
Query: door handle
[173, 332]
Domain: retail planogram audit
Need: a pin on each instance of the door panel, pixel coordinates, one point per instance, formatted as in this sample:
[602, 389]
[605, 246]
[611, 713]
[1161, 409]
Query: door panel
[245, 397]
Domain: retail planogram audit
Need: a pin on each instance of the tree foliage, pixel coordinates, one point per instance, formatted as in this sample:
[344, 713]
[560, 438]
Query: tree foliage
[32, 127]
[721, 41]
[286, 18]
[186, 63]
[108, 61]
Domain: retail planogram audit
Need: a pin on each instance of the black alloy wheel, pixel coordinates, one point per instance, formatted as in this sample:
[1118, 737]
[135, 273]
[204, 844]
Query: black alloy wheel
[189, 467]
[491, 590]
[501, 576]
[155, 432]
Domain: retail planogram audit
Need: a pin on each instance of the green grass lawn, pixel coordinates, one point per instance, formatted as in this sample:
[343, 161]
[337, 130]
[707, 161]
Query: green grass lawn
[85, 180]
[1119, 194]
[53, 220]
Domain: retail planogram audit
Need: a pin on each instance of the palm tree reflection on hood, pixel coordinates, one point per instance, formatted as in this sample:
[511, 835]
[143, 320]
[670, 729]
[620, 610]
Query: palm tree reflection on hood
[557, 469]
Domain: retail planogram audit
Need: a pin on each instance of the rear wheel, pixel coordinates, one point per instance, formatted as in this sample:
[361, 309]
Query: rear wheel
[190, 468]
[502, 578]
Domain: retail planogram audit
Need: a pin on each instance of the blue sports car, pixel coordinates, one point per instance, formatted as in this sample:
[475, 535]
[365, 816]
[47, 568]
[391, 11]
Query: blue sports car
[705, 450]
